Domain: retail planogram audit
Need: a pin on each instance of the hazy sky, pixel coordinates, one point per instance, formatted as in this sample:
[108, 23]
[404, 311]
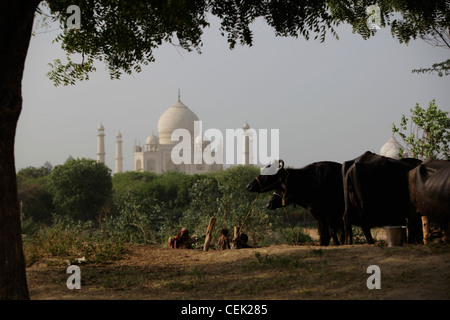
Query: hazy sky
[330, 101]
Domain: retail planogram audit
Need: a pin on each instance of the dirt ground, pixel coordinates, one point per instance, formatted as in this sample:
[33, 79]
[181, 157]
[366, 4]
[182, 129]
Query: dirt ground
[277, 272]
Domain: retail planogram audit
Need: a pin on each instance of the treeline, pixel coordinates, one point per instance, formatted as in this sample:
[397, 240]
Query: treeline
[147, 208]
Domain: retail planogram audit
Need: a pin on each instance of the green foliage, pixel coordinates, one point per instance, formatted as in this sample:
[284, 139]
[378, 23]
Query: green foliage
[170, 187]
[80, 188]
[429, 135]
[236, 203]
[29, 227]
[33, 192]
[131, 180]
[285, 235]
[139, 220]
[150, 208]
[70, 72]
[418, 18]
[147, 208]
[70, 239]
[36, 172]
[204, 197]
[124, 34]
[149, 204]
[441, 69]
[358, 235]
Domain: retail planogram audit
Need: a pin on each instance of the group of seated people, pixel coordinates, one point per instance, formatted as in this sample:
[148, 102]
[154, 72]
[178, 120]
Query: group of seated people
[184, 241]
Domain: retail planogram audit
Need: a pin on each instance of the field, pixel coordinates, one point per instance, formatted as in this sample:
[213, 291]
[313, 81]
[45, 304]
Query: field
[274, 272]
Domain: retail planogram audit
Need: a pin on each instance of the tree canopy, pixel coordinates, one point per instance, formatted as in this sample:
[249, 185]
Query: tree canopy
[123, 34]
[80, 188]
[35, 198]
[429, 134]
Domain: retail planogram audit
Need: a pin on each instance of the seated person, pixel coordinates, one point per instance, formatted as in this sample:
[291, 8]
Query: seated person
[241, 242]
[182, 240]
[224, 241]
[243, 239]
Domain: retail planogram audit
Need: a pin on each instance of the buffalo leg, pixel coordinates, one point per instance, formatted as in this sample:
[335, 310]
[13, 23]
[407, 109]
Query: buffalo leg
[335, 236]
[337, 229]
[415, 234]
[446, 234]
[348, 236]
[426, 229]
[368, 234]
[348, 233]
[341, 232]
[324, 233]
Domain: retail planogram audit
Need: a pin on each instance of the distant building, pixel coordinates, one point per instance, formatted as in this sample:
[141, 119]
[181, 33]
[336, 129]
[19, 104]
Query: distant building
[101, 144]
[391, 149]
[119, 157]
[155, 155]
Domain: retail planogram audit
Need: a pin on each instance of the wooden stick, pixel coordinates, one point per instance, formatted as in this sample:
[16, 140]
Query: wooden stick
[248, 214]
[235, 240]
[209, 231]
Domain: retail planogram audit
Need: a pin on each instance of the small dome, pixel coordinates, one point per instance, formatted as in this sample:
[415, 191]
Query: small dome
[100, 127]
[178, 116]
[391, 149]
[118, 135]
[245, 126]
[152, 139]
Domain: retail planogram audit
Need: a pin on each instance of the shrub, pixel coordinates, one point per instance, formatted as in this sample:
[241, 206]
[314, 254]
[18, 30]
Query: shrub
[70, 239]
[285, 235]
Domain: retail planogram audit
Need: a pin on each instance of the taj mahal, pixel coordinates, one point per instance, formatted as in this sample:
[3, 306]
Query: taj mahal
[155, 154]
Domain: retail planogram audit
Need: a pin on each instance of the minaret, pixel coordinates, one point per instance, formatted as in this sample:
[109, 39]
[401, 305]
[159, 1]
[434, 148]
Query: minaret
[101, 144]
[246, 151]
[119, 158]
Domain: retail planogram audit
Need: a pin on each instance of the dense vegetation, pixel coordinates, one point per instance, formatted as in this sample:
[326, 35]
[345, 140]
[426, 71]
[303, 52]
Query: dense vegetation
[429, 134]
[79, 209]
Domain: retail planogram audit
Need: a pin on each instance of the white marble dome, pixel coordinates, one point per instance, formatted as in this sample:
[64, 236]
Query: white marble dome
[151, 139]
[392, 148]
[178, 116]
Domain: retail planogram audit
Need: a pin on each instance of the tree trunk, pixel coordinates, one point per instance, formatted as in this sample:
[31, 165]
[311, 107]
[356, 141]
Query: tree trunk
[16, 21]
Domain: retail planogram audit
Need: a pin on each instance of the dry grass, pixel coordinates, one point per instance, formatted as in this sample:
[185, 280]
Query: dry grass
[276, 272]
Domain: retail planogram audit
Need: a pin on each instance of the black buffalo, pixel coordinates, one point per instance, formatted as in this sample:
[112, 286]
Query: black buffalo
[316, 187]
[376, 194]
[429, 188]
[278, 200]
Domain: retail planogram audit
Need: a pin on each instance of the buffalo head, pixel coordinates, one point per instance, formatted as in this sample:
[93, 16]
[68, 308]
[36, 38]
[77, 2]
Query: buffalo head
[271, 177]
[277, 201]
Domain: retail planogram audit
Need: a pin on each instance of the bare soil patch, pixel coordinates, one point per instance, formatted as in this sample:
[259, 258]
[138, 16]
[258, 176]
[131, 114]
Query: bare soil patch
[275, 272]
